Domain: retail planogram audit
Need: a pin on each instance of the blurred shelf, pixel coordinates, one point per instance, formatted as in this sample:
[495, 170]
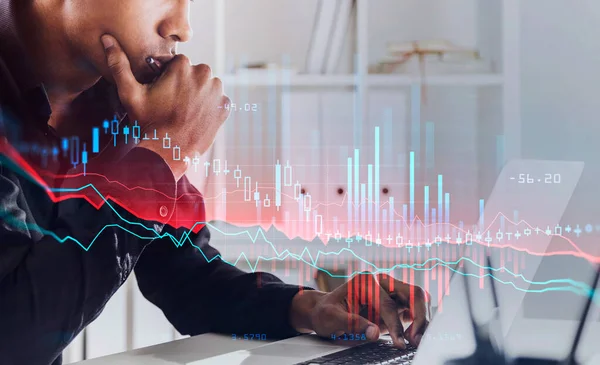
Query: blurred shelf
[352, 80]
[458, 80]
[292, 80]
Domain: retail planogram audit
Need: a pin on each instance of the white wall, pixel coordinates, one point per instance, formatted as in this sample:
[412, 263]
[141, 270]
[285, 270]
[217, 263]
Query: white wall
[560, 78]
[560, 101]
[561, 91]
[250, 35]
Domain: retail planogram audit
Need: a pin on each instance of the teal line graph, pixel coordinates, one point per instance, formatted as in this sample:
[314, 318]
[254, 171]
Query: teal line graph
[571, 285]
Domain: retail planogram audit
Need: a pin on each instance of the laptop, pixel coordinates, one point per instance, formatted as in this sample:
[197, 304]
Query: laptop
[539, 202]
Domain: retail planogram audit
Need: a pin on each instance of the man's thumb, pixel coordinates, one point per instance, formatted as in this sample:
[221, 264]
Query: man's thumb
[355, 323]
[120, 69]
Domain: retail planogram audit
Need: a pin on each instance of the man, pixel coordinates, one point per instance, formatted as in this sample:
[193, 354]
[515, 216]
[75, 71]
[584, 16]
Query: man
[69, 238]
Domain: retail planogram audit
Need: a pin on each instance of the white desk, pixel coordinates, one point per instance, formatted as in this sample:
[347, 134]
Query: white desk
[544, 339]
[190, 351]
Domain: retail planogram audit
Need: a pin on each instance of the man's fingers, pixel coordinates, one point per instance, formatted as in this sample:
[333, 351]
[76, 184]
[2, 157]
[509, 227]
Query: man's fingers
[353, 323]
[389, 314]
[418, 306]
[120, 69]
[420, 318]
[388, 310]
[404, 296]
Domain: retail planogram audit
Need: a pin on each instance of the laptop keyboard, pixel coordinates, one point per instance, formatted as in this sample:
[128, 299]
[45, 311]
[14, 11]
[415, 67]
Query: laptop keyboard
[367, 354]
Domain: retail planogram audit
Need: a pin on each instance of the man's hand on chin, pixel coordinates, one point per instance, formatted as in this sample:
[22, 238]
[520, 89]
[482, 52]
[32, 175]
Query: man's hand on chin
[392, 303]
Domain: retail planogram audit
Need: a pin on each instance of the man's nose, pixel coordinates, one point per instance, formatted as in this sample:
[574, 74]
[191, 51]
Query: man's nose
[176, 24]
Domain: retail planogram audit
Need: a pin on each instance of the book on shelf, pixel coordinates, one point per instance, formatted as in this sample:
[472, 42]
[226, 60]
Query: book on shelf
[431, 56]
[264, 69]
[426, 46]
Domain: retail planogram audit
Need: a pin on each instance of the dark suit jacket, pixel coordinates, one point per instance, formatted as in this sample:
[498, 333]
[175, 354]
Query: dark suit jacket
[63, 254]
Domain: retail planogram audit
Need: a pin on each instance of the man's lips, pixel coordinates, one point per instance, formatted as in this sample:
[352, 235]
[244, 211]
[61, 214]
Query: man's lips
[157, 65]
[162, 61]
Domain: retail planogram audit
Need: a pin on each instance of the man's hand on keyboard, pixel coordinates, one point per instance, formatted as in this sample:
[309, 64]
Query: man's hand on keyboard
[367, 303]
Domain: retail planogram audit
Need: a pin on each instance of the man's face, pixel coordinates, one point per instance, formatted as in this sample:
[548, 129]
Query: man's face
[142, 27]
